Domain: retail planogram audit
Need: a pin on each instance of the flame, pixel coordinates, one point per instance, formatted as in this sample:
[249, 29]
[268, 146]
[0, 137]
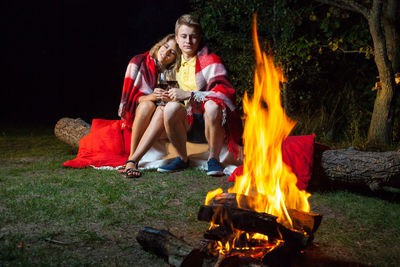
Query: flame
[212, 194]
[270, 183]
[267, 183]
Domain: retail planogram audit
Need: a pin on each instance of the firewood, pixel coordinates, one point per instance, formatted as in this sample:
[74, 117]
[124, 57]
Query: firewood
[240, 219]
[172, 249]
[253, 222]
[71, 131]
[307, 221]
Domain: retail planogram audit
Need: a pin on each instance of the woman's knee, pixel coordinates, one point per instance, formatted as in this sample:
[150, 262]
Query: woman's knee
[146, 107]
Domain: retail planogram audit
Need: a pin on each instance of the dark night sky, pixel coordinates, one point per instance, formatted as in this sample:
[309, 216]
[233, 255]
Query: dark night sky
[67, 58]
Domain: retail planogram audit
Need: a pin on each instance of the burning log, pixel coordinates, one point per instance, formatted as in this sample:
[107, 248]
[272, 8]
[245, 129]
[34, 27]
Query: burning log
[253, 222]
[307, 221]
[71, 131]
[172, 249]
[241, 219]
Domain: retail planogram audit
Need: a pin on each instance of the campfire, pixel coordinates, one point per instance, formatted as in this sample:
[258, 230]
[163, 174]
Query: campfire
[264, 218]
[264, 210]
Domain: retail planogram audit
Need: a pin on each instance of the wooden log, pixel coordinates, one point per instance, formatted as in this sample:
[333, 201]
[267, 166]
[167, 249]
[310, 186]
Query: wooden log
[240, 219]
[350, 166]
[71, 131]
[172, 249]
[307, 221]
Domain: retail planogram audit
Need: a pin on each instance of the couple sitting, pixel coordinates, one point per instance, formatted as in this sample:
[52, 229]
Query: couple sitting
[204, 97]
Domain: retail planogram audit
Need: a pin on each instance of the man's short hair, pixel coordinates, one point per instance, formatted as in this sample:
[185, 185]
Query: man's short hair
[190, 21]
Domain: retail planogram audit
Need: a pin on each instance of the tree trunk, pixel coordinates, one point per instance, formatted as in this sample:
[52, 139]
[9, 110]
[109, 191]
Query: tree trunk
[391, 24]
[71, 131]
[379, 133]
[353, 167]
[380, 130]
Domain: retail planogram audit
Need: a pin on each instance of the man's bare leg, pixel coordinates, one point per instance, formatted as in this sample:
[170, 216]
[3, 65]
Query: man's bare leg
[214, 130]
[176, 125]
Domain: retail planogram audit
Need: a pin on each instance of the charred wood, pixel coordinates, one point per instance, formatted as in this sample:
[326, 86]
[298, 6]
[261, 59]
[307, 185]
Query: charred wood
[240, 219]
[307, 221]
[172, 249]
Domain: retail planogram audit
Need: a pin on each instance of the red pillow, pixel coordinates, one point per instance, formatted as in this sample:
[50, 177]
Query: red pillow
[297, 153]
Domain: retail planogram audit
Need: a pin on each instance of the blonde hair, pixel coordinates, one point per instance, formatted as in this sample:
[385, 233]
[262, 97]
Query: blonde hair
[189, 21]
[163, 41]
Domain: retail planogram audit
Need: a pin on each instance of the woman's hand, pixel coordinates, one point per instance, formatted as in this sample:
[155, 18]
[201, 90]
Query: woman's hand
[161, 94]
[176, 94]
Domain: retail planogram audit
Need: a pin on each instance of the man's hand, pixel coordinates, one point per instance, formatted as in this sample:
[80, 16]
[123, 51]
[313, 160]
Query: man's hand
[176, 94]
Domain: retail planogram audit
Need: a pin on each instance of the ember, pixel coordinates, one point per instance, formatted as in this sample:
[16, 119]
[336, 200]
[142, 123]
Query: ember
[264, 210]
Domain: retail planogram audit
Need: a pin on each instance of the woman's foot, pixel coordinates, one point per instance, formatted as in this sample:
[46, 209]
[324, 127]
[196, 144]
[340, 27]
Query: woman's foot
[131, 169]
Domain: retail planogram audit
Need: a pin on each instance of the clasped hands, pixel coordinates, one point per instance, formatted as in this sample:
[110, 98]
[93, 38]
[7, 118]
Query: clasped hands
[173, 94]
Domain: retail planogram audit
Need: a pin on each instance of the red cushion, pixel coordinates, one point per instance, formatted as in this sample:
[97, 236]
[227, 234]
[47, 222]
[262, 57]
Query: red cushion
[297, 153]
[105, 145]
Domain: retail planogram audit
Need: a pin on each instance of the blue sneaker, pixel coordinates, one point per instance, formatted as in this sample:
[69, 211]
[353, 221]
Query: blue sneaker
[176, 165]
[214, 168]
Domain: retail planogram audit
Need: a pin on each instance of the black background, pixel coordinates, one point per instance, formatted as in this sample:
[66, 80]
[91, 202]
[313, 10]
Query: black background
[67, 58]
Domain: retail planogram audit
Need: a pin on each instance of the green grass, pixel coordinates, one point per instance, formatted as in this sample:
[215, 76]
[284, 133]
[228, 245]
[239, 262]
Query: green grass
[50, 215]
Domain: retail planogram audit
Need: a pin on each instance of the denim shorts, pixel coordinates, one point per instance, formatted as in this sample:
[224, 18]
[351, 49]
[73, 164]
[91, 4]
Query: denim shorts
[196, 133]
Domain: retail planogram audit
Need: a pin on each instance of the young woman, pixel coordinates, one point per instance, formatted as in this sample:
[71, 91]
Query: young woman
[138, 108]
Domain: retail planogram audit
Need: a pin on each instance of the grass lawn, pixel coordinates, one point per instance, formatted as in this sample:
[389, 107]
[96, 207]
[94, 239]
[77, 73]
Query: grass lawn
[50, 215]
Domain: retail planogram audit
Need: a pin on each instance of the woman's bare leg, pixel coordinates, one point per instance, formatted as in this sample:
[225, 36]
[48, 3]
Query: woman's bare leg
[153, 132]
[143, 115]
[214, 130]
[176, 126]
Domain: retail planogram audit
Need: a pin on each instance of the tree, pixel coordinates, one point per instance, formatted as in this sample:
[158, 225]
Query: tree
[382, 17]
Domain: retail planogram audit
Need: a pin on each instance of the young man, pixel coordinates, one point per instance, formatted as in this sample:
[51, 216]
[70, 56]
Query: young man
[210, 99]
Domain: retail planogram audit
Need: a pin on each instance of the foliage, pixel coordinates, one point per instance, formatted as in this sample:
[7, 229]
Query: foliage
[324, 52]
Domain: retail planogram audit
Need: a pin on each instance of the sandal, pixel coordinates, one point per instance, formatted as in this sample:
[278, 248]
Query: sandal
[131, 172]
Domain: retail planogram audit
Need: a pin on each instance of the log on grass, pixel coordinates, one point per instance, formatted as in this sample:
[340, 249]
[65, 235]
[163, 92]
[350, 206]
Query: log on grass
[71, 131]
[350, 166]
[172, 249]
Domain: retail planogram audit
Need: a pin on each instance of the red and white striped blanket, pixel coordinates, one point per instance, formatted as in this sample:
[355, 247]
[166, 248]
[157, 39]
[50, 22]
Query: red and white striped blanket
[140, 79]
[213, 85]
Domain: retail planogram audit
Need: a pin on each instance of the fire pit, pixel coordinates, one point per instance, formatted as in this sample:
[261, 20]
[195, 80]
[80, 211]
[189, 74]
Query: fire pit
[264, 218]
[264, 211]
[253, 237]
